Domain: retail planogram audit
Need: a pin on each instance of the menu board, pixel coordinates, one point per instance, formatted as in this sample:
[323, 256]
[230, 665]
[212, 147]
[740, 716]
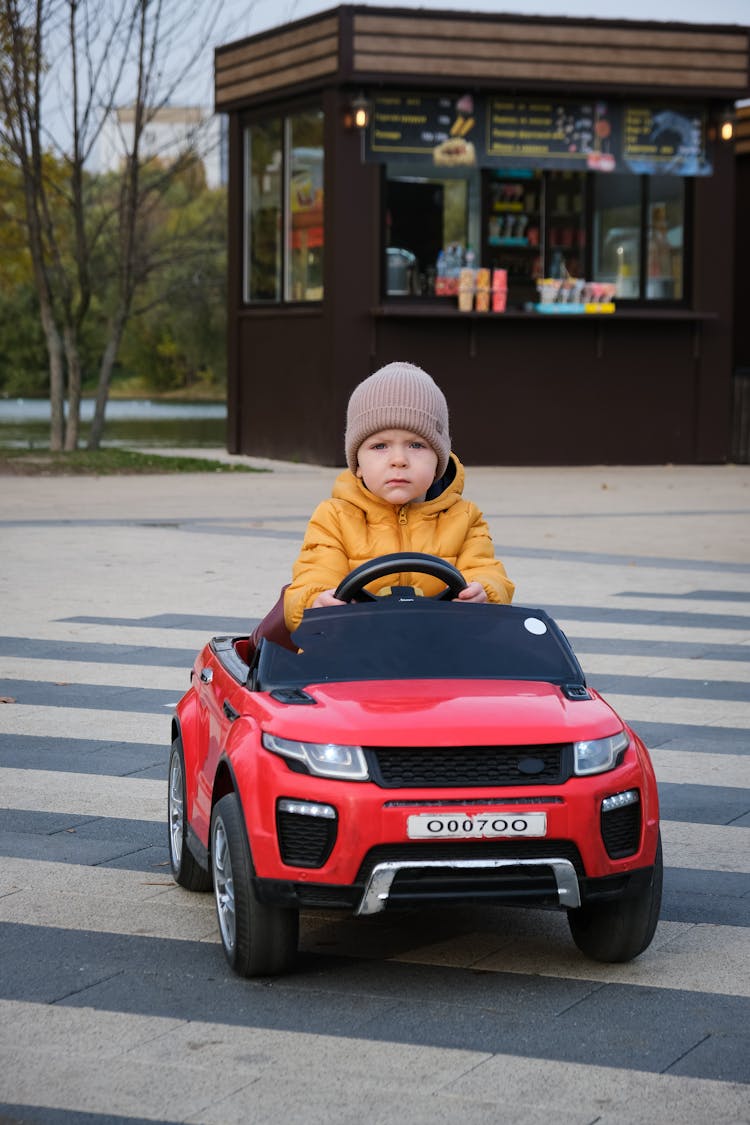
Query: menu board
[465, 131]
[441, 127]
[549, 134]
[658, 139]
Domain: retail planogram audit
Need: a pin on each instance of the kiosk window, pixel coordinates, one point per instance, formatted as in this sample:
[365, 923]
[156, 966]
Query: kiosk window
[617, 233]
[262, 280]
[426, 216]
[304, 211]
[283, 212]
[639, 224]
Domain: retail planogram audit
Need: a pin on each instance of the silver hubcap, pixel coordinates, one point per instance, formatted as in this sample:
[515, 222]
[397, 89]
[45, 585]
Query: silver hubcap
[176, 810]
[224, 885]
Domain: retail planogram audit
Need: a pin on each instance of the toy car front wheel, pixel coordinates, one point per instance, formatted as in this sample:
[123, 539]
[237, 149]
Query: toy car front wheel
[185, 868]
[258, 940]
[619, 931]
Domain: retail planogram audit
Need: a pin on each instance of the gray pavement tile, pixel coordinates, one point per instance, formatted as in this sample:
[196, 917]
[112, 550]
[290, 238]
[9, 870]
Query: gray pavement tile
[670, 687]
[599, 558]
[46, 1115]
[213, 625]
[89, 696]
[96, 653]
[623, 1026]
[621, 616]
[725, 1057]
[67, 848]
[84, 755]
[32, 822]
[719, 898]
[151, 859]
[691, 595]
[703, 804]
[674, 650]
[703, 740]
[543, 1018]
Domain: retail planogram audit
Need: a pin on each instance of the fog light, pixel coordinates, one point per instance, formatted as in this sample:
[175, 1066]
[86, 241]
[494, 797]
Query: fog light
[620, 800]
[307, 808]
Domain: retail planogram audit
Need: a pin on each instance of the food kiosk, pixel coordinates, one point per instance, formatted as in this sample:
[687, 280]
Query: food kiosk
[538, 211]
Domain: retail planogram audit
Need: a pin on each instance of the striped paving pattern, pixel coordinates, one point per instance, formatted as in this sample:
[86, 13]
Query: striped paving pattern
[115, 1001]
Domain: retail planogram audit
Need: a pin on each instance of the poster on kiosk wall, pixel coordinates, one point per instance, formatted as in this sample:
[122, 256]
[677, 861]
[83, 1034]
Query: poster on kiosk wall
[464, 131]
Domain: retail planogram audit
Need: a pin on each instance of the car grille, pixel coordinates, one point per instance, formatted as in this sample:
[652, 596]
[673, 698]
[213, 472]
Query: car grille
[621, 831]
[305, 841]
[404, 767]
[516, 848]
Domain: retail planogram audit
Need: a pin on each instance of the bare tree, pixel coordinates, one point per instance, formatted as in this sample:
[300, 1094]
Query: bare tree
[66, 66]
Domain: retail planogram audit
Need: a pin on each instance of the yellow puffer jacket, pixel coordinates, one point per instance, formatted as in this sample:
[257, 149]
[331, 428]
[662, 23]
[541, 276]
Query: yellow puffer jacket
[354, 526]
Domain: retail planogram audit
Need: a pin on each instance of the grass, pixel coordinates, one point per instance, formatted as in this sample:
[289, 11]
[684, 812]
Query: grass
[107, 462]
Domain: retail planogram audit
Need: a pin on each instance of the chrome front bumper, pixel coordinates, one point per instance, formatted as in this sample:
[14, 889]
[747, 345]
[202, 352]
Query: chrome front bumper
[378, 888]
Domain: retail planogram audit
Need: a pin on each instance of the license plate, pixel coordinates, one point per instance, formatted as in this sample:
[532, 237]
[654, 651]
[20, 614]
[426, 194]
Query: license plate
[438, 826]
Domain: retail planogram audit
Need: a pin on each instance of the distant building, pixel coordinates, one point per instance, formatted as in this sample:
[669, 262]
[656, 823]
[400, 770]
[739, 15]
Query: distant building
[169, 134]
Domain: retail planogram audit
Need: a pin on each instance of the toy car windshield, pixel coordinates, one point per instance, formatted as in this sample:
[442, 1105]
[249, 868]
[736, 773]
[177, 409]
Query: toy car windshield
[420, 639]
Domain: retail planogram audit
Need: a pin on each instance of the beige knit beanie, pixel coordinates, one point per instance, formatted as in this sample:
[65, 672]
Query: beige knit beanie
[399, 396]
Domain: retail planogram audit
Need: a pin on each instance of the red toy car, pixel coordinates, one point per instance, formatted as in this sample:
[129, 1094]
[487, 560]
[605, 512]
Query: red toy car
[414, 751]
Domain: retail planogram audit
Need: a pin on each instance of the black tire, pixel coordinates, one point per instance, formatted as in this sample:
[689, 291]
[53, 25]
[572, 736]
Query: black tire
[258, 940]
[619, 931]
[185, 867]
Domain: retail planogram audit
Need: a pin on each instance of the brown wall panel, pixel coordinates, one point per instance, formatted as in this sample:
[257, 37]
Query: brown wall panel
[549, 52]
[278, 63]
[562, 32]
[276, 60]
[571, 393]
[284, 386]
[252, 87]
[606, 75]
[260, 46]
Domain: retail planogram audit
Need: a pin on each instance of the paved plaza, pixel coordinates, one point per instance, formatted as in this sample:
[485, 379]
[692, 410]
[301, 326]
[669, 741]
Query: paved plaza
[116, 1005]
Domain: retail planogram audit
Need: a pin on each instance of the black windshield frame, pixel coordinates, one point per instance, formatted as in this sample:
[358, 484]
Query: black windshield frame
[422, 639]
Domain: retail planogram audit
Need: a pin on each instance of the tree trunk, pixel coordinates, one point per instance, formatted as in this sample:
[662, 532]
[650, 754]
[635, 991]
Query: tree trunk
[56, 376]
[105, 377]
[73, 357]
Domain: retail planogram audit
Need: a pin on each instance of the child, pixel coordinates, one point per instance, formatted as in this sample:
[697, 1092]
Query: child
[402, 491]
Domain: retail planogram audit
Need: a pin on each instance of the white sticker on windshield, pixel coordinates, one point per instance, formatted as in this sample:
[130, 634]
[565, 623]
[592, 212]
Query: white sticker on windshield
[535, 626]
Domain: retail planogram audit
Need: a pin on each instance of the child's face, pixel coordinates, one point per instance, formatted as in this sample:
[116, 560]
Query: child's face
[396, 465]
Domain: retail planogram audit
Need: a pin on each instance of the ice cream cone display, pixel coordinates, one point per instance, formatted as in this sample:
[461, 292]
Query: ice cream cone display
[467, 284]
[574, 295]
[482, 294]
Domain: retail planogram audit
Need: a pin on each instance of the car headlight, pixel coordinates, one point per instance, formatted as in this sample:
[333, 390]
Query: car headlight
[596, 755]
[325, 759]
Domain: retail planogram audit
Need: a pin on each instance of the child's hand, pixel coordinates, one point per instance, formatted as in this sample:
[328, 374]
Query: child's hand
[474, 592]
[326, 598]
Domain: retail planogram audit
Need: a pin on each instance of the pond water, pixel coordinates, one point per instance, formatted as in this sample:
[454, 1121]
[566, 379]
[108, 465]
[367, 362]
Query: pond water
[24, 423]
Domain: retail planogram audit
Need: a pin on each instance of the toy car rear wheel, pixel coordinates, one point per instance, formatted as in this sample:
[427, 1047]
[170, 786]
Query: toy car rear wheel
[619, 931]
[185, 868]
[258, 940]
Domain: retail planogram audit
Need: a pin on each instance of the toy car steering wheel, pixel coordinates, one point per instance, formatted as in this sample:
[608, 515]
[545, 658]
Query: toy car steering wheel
[352, 588]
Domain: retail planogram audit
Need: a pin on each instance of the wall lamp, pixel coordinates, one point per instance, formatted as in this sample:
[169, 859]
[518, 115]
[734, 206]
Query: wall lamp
[724, 128]
[357, 113]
